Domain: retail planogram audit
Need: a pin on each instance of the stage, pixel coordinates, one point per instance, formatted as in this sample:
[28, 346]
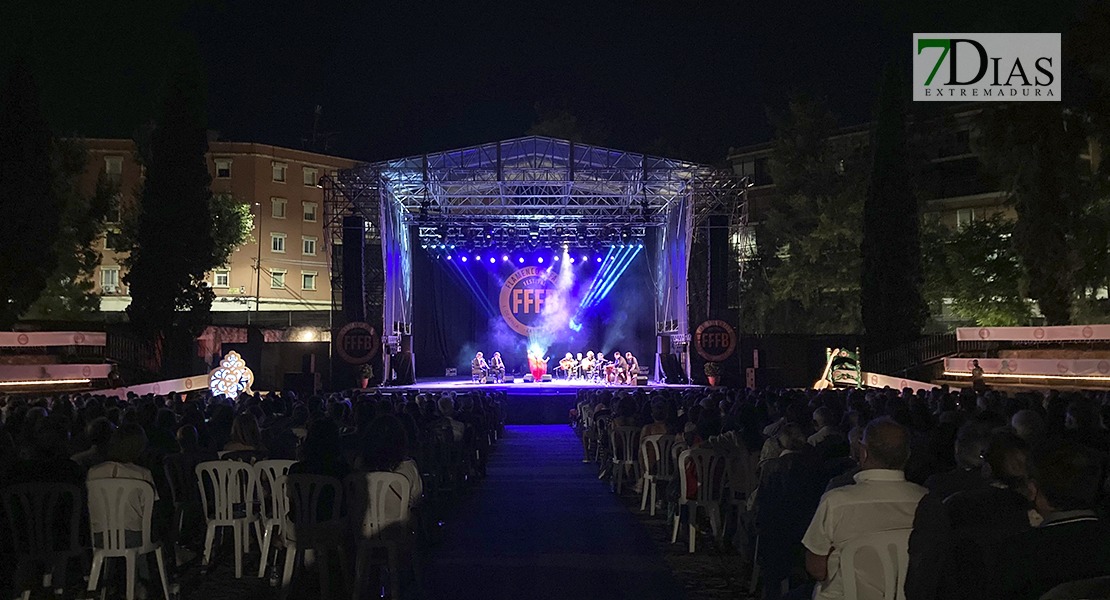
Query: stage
[525, 403]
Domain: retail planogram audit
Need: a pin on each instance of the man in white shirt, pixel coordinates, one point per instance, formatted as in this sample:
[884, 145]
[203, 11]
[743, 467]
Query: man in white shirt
[881, 500]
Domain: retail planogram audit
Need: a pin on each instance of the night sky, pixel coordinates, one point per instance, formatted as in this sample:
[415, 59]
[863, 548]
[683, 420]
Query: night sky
[396, 78]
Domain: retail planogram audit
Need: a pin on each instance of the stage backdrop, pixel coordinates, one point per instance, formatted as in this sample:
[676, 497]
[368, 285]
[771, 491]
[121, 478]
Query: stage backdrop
[515, 301]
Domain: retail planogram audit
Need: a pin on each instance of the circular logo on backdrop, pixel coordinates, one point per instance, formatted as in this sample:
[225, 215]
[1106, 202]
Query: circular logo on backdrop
[523, 298]
[357, 343]
[715, 340]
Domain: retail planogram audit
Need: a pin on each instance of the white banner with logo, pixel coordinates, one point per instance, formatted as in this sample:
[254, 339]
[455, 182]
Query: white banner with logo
[877, 380]
[1031, 366]
[10, 373]
[185, 384]
[1058, 333]
[42, 339]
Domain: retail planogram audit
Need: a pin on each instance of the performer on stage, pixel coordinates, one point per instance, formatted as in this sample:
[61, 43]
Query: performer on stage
[578, 367]
[633, 367]
[478, 369]
[587, 366]
[568, 365]
[497, 368]
[622, 368]
[537, 365]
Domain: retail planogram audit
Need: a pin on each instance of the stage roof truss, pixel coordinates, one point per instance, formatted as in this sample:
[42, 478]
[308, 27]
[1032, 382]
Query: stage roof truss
[535, 179]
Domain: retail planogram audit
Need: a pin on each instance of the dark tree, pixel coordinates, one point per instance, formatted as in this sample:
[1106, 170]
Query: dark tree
[29, 198]
[173, 241]
[891, 302]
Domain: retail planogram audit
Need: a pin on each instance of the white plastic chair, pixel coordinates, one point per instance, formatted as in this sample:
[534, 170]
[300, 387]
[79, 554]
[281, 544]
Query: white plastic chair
[662, 471]
[227, 494]
[305, 529]
[274, 504]
[709, 468]
[42, 521]
[110, 501]
[379, 511]
[624, 443]
[892, 548]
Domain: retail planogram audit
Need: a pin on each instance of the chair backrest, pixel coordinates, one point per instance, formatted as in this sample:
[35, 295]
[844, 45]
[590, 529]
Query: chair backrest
[267, 490]
[38, 514]
[225, 486]
[658, 447]
[315, 503]
[892, 548]
[376, 501]
[708, 468]
[1097, 587]
[110, 501]
[624, 442]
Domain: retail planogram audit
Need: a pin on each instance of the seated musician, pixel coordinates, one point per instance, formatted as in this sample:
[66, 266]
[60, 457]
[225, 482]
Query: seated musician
[478, 368]
[568, 365]
[633, 366]
[497, 368]
[587, 365]
[578, 366]
[622, 367]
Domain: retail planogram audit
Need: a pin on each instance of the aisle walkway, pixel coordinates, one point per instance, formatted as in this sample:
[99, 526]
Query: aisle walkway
[543, 526]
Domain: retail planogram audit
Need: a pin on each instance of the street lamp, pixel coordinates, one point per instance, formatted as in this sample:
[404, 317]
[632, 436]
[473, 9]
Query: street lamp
[257, 262]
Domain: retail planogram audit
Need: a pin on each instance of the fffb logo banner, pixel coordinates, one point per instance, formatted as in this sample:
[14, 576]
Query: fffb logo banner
[963, 67]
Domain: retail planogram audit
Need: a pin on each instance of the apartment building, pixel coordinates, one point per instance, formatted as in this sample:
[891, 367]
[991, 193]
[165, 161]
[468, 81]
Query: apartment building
[282, 187]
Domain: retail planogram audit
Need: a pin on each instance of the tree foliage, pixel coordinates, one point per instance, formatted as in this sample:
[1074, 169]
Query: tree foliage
[69, 290]
[174, 246]
[232, 223]
[891, 302]
[976, 269]
[30, 197]
[806, 274]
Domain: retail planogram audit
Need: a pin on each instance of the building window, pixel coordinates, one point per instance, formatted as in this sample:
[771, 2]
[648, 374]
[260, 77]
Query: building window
[277, 280]
[109, 280]
[277, 208]
[311, 176]
[279, 171]
[113, 169]
[112, 215]
[308, 246]
[308, 280]
[277, 242]
[310, 212]
[223, 168]
[221, 278]
[113, 240]
[967, 216]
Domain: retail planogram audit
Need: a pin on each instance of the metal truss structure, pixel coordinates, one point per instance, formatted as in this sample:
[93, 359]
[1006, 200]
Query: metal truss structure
[533, 191]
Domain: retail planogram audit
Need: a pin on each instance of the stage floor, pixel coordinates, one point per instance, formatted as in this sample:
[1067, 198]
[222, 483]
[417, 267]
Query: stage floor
[546, 402]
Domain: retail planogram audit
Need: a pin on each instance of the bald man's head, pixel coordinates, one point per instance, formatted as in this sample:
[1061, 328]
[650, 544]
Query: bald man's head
[886, 445]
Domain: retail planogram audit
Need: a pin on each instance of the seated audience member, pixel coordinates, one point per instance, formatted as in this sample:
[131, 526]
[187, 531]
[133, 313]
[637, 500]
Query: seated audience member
[245, 443]
[385, 448]
[45, 456]
[845, 468]
[789, 488]
[1028, 425]
[880, 500]
[447, 420]
[322, 452]
[98, 433]
[1071, 543]
[971, 442]
[127, 445]
[822, 420]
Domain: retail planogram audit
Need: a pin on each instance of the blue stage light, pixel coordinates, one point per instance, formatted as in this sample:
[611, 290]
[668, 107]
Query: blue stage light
[478, 258]
[585, 258]
[520, 260]
[505, 258]
[448, 257]
[539, 259]
[464, 259]
[556, 259]
[492, 260]
[572, 260]
[599, 259]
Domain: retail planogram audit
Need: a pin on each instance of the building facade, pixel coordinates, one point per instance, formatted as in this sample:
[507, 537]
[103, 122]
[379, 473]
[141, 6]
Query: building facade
[283, 268]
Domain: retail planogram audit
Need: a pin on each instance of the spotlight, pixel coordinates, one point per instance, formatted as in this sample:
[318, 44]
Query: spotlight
[520, 260]
[585, 258]
[504, 258]
[539, 260]
[448, 257]
[464, 259]
[492, 260]
[599, 259]
[478, 258]
[572, 260]
[556, 259]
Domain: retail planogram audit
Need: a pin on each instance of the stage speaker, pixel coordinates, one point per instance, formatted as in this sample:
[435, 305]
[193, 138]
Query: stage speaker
[303, 384]
[672, 369]
[641, 380]
[528, 379]
[546, 377]
[402, 365]
[354, 275]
